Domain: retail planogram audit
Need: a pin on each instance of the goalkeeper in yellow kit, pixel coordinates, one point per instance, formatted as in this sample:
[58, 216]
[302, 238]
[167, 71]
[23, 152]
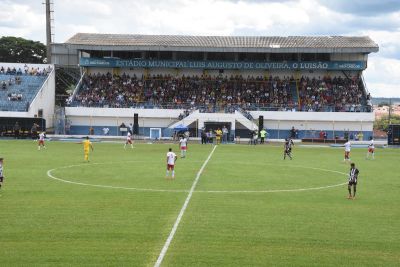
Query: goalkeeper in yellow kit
[86, 146]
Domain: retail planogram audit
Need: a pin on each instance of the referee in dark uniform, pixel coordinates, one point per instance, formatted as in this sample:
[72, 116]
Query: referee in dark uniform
[353, 176]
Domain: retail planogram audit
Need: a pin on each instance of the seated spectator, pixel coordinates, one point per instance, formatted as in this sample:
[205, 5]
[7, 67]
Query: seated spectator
[17, 80]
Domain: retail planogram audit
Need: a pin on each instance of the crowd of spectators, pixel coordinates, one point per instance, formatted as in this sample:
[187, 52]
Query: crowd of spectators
[27, 71]
[14, 96]
[9, 82]
[6, 84]
[210, 94]
[205, 92]
[184, 114]
[332, 94]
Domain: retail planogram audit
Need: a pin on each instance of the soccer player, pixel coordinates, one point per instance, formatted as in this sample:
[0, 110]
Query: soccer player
[171, 159]
[128, 140]
[288, 148]
[183, 146]
[218, 135]
[371, 149]
[86, 146]
[41, 140]
[1, 172]
[347, 148]
[353, 175]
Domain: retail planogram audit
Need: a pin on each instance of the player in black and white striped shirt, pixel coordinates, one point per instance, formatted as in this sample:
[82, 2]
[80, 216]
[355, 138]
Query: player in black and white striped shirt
[288, 148]
[1, 172]
[353, 176]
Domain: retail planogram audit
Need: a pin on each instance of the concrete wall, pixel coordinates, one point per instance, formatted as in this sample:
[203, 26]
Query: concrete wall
[309, 124]
[64, 55]
[82, 118]
[122, 112]
[278, 123]
[45, 100]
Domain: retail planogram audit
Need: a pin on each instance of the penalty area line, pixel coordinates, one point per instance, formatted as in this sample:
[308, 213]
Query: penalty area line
[180, 215]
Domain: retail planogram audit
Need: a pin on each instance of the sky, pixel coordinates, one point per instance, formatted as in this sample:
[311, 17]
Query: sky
[378, 19]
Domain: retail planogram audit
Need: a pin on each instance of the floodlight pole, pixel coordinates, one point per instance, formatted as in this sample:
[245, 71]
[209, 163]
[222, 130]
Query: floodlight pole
[390, 111]
[48, 30]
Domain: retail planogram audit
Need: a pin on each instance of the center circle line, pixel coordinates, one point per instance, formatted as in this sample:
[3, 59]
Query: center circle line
[51, 176]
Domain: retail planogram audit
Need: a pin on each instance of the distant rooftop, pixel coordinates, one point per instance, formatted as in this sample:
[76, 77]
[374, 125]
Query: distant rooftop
[273, 43]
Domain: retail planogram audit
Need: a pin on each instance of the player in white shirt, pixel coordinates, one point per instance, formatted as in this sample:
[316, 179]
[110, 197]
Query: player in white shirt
[183, 146]
[371, 149]
[41, 140]
[347, 148]
[128, 140]
[1, 172]
[171, 159]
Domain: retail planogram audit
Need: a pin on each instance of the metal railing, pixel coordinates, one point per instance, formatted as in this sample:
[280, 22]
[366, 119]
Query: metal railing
[225, 108]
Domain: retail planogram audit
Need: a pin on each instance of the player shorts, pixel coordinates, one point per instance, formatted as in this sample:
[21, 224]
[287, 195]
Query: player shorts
[371, 150]
[183, 148]
[170, 167]
[353, 182]
[346, 154]
[41, 142]
[129, 141]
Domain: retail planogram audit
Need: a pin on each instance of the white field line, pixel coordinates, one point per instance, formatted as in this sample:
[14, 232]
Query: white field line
[50, 175]
[269, 191]
[110, 186]
[180, 215]
[280, 190]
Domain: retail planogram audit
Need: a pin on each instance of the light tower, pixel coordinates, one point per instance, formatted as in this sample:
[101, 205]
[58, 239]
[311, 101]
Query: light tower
[49, 27]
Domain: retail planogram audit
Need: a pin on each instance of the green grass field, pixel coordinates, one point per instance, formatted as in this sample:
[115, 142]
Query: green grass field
[249, 208]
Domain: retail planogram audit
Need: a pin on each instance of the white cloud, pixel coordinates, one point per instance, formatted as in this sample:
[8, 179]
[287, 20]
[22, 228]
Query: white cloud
[200, 17]
[382, 76]
[388, 41]
[20, 20]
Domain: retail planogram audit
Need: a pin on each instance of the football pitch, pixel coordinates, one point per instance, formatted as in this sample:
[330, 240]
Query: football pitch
[231, 205]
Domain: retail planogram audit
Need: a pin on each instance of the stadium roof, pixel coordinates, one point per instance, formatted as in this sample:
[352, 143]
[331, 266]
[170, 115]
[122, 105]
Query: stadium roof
[328, 44]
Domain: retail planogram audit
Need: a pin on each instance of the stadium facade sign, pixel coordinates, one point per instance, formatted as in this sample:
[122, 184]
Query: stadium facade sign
[186, 64]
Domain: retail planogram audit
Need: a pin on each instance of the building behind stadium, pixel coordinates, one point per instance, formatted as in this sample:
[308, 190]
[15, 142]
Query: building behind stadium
[163, 83]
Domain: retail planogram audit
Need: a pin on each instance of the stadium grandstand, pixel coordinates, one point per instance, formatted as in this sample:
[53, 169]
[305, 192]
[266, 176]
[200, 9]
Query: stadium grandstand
[312, 84]
[27, 93]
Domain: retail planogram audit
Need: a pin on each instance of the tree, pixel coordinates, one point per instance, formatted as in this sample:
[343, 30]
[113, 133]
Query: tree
[382, 104]
[383, 122]
[20, 50]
